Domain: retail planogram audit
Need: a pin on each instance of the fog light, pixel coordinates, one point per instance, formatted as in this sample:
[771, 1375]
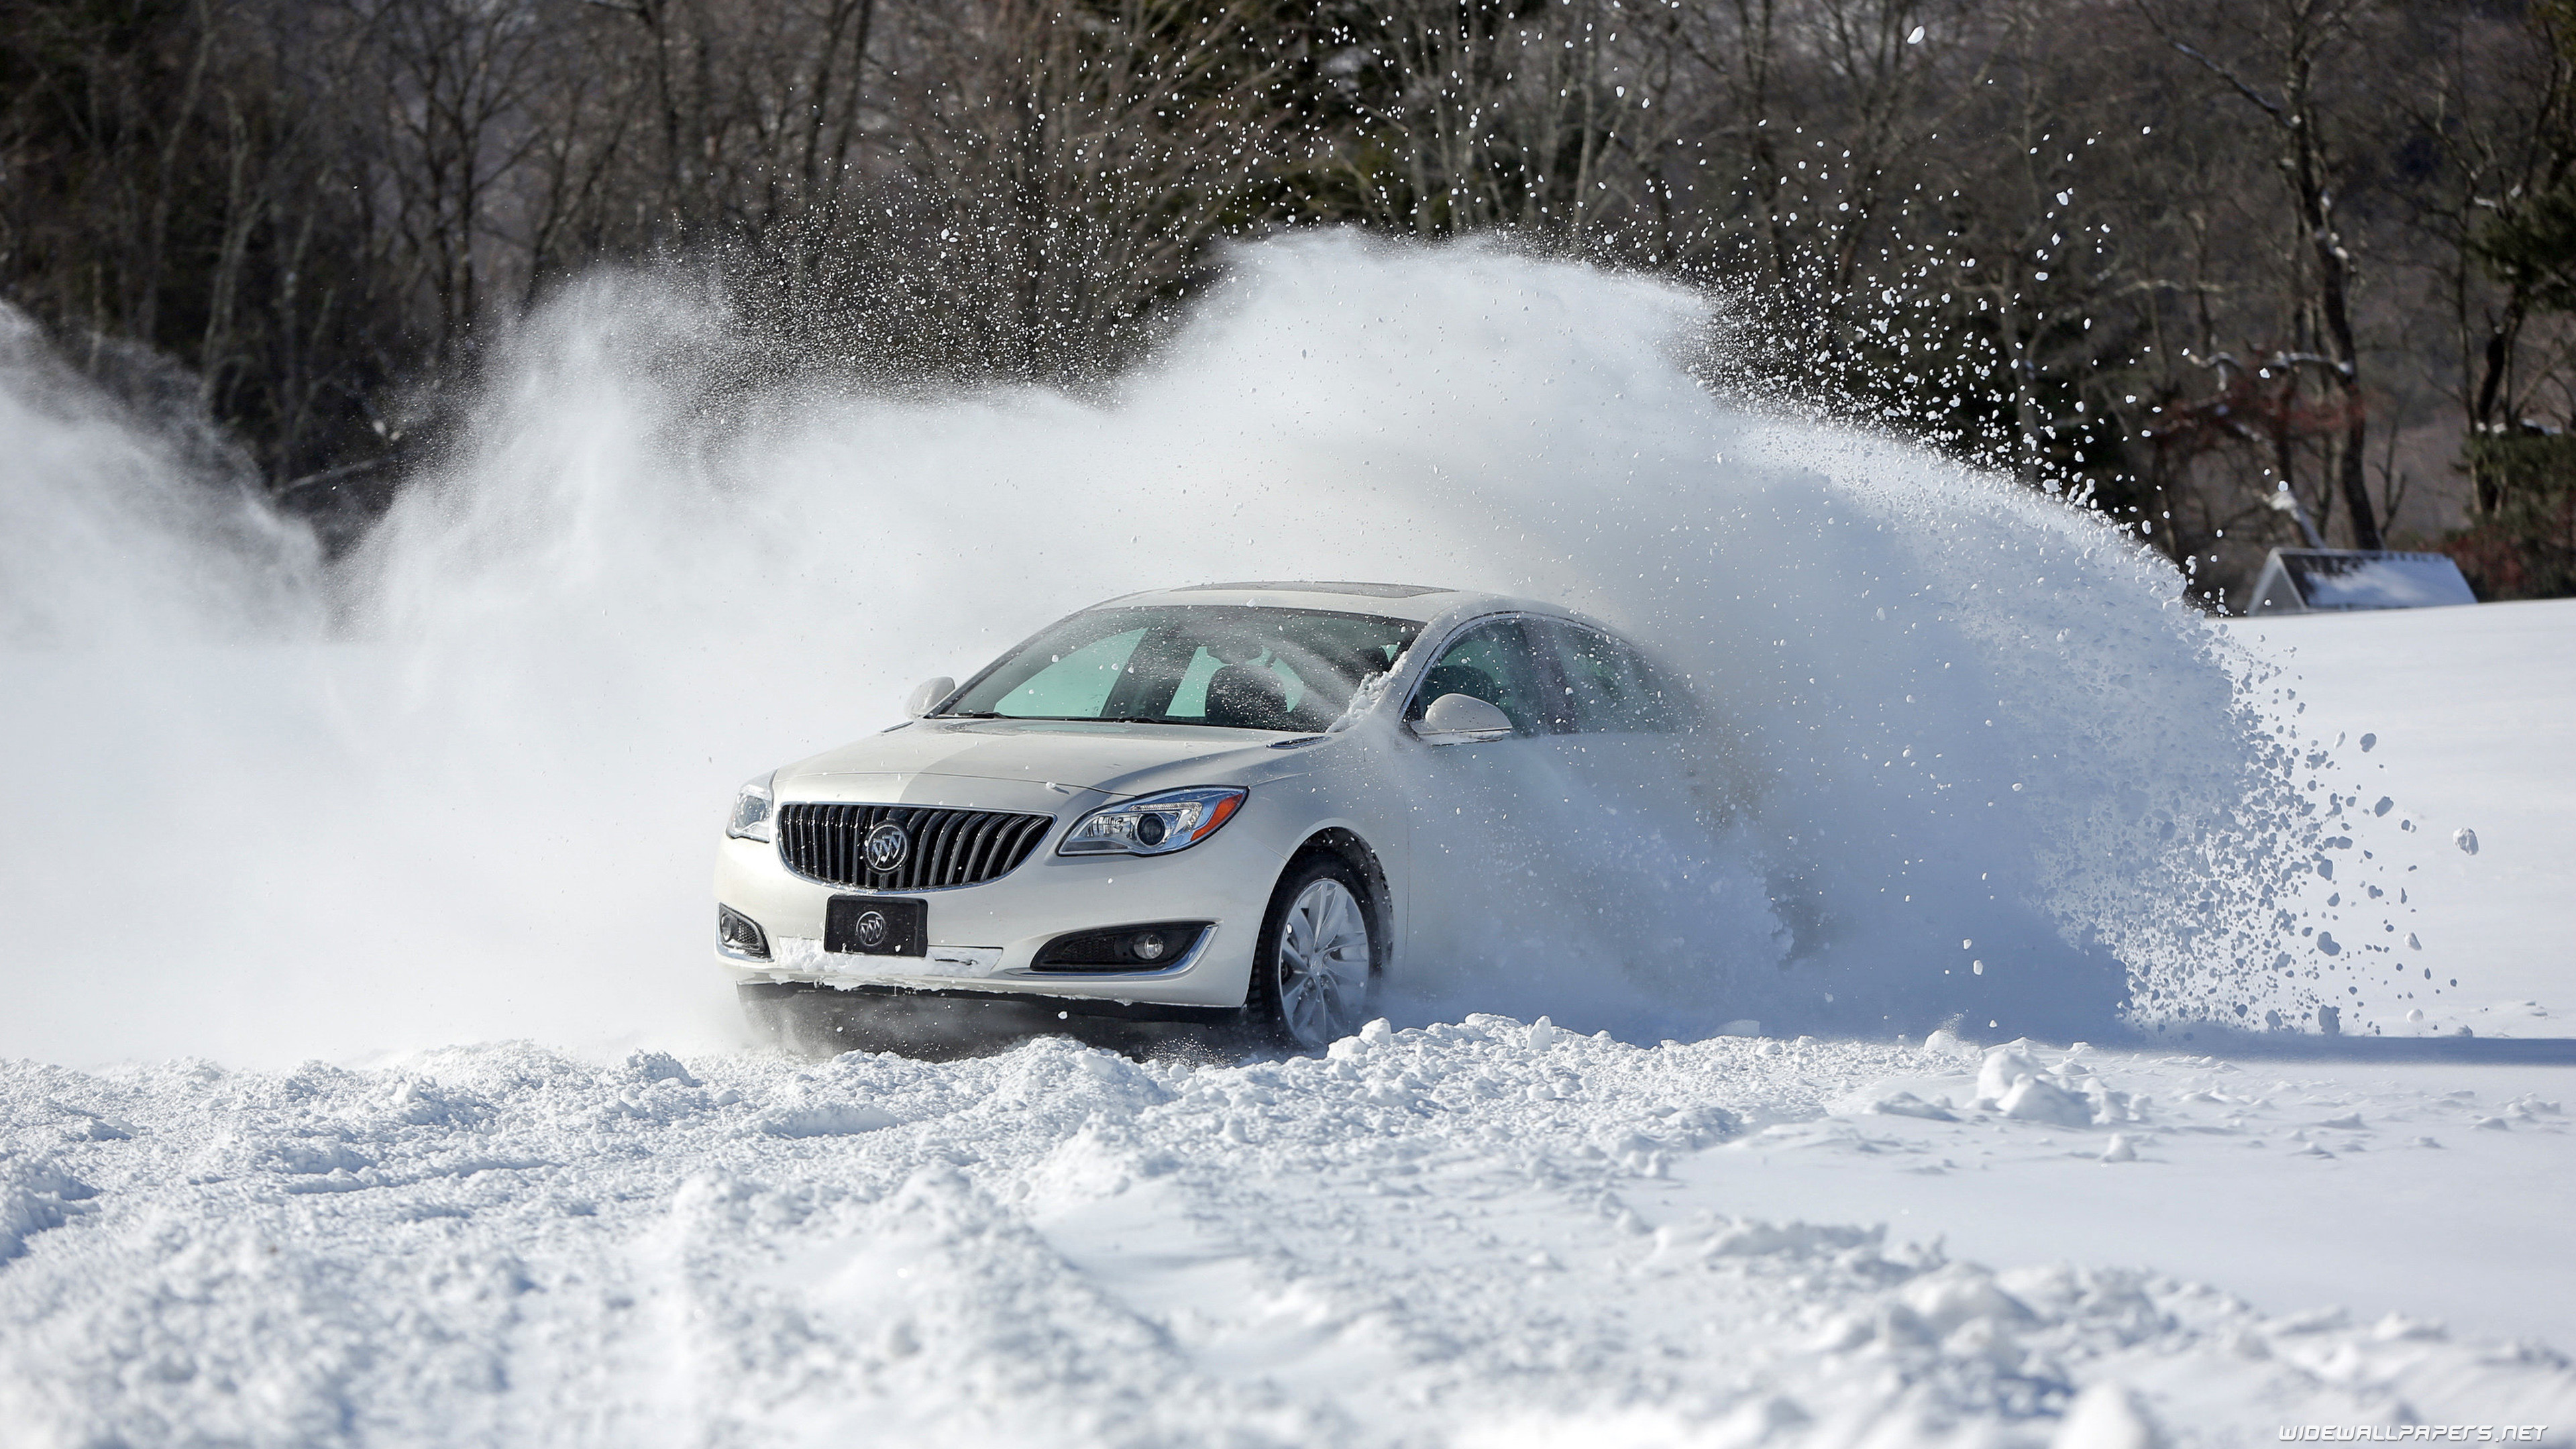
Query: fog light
[1153, 946]
[740, 935]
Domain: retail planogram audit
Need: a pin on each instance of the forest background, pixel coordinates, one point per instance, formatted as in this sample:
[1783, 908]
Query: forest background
[2184, 260]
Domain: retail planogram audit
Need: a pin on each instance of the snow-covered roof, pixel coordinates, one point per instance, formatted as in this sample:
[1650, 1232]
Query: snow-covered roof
[2297, 580]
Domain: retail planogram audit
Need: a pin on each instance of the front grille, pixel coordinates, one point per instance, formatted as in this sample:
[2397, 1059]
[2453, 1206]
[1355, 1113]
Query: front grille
[947, 847]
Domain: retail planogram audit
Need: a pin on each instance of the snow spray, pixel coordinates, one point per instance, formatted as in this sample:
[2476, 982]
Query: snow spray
[1972, 758]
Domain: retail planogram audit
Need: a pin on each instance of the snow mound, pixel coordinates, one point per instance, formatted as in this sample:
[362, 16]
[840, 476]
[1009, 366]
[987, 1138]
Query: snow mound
[34, 1195]
[1433, 1235]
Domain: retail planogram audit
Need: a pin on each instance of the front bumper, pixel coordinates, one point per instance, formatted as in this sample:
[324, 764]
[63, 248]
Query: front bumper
[983, 938]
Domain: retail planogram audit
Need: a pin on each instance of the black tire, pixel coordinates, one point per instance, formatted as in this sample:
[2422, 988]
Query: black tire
[1283, 1004]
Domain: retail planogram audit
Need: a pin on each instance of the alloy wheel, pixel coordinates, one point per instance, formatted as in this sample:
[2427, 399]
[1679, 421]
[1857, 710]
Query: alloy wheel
[1324, 963]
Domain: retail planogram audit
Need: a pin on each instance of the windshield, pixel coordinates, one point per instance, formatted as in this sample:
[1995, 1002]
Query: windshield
[1227, 665]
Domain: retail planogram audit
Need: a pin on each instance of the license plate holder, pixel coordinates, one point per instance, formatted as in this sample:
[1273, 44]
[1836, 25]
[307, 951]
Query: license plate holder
[876, 926]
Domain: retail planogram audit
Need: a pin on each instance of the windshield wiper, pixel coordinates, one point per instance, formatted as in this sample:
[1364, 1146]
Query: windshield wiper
[1059, 718]
[1142, 719]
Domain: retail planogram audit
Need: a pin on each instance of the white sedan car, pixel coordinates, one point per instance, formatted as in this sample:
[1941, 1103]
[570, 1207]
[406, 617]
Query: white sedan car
[1227, 803]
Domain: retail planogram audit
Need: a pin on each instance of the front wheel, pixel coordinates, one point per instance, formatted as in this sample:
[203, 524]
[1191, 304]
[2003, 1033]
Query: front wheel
[1317, 961]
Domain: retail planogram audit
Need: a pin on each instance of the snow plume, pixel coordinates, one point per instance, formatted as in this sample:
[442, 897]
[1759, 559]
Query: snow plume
[120, 526]
[1974, 759]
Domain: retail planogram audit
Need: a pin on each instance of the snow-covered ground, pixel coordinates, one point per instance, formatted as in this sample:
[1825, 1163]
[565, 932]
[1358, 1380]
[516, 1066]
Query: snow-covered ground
[459, 789]
[2475, 714]
[1486, 1232]
[1468, 1234]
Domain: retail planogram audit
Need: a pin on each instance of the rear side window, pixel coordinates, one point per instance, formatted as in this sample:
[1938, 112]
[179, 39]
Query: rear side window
[1495, 663]
[1609, 687]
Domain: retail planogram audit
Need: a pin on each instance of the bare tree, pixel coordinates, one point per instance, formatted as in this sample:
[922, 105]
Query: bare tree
[1062, 168]
[2500, 100]
[2296, 43]
[2142, 253]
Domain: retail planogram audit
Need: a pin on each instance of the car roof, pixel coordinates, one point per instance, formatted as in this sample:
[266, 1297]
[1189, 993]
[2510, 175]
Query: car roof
[1419, 603]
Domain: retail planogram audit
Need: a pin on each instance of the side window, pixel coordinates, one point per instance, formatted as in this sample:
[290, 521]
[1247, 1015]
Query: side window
[1609, 688]
[1493, 663]
[1075, 685]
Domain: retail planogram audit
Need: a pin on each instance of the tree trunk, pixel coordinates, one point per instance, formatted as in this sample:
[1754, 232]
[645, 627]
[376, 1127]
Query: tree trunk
[2334, 298]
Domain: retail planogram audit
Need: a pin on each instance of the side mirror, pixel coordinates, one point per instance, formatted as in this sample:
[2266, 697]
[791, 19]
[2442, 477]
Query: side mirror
[926, 695]
[1457, 719]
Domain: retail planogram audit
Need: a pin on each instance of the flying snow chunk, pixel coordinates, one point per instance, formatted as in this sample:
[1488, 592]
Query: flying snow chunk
[2466, 839]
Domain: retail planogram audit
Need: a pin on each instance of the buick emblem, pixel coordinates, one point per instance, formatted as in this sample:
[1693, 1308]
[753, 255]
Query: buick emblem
[871, 928]
[887, 845]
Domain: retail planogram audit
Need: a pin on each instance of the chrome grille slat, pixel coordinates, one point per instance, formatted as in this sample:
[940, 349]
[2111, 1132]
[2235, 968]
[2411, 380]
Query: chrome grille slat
[915, 872]
[862, 820]
[980, 849]
[929, 838]
[950, 831]
[997, 838]
[826, 841]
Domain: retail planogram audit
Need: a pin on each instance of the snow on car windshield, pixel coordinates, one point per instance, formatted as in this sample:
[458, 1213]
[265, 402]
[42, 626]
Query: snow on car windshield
[1233, 666]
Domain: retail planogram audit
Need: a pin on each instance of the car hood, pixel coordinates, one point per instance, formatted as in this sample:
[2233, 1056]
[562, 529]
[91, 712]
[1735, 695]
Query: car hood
[1028, 764]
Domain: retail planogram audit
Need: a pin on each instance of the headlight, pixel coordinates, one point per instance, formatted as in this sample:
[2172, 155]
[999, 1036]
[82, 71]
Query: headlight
[1154, 825]
[752, 808]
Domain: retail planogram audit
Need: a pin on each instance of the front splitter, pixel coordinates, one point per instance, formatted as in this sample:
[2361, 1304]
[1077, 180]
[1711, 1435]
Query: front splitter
[820, 1019]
